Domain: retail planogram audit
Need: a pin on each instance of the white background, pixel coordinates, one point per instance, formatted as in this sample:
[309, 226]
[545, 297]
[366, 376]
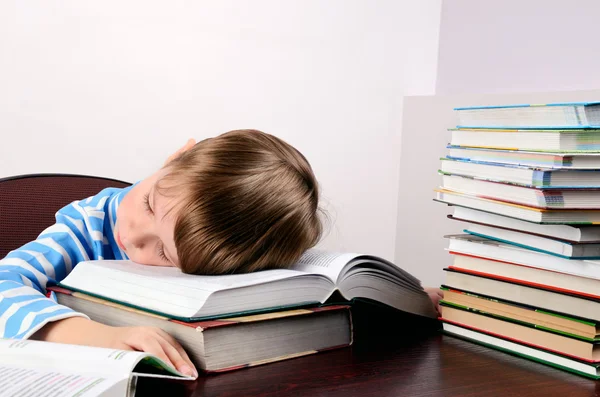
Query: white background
[512, 46]
[111, 88]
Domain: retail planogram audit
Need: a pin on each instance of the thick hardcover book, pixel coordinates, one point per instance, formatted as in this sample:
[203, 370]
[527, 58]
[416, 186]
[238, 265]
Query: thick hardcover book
[522, 175]
[524, 292]
[539, 197]
[548, 116]
[318, 275]
[582, 141]
[232, 343]
[535, 316]
[551, 159]
[554, 216]
[538, 338]
[569, 233]
[579, 367]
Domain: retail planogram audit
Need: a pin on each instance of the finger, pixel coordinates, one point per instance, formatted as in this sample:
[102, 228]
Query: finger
[189, 144]
[175, 357]
[150, 344]
[173, 342]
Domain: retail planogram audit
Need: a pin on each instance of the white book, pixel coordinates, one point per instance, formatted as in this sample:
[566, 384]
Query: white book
[534, 197]
[169, 292]
[555, 160]
[522, 175]
[504, 254]
[528, 294]
[544, 244]
[523, 212]
[581, 234]
[530, 140]
[35, 368]
[543, 278]
[552, 115]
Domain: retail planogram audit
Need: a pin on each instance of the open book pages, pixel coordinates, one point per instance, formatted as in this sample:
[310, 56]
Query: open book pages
[43, 368]
[318, 274]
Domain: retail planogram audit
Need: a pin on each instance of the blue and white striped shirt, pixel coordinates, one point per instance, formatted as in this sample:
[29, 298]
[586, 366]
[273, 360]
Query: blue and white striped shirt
[83, 231]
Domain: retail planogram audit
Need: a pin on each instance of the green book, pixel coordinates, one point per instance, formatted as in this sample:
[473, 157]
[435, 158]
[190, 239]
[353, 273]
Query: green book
[523, 315]
[579, 367]
[520, 322]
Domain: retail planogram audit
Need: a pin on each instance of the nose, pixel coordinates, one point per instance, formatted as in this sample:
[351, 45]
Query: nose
[140, 231]
[142, 247]
[144, 255]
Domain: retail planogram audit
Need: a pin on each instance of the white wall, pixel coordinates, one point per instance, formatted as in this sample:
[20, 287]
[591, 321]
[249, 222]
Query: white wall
[422, 223]
[112, 87]
[518, 46]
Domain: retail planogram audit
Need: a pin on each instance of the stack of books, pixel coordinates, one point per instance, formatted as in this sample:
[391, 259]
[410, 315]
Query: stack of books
[525, 276]
[237, 321]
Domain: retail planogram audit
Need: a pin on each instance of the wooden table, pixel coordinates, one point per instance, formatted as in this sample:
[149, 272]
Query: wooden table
[393, 355]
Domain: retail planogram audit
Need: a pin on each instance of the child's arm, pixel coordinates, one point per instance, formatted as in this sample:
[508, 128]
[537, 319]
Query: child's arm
[24, 274]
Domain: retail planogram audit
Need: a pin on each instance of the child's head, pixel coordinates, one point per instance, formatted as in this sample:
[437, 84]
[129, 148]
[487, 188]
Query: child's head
[239, 202]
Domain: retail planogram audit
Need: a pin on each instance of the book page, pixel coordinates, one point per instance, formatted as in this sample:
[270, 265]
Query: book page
[24, 381]
[162, 289]
[325, 263]
[71, 358]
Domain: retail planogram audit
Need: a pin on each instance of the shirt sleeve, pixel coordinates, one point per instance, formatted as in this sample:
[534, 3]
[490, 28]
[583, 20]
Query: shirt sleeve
[25, 272]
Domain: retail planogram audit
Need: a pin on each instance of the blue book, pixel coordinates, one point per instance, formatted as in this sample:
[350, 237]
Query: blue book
[551, 246]
[564, 115]
[543, 178]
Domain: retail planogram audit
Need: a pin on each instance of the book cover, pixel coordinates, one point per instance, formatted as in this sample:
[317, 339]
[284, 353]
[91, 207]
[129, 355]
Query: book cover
[542, 216]
[527, 283]
[528, 105]
[483, 331]
[569, 364]
[529, 247]
[471, 221]
[250, 328]
[519, 322]
[567, 316]
[567, 115]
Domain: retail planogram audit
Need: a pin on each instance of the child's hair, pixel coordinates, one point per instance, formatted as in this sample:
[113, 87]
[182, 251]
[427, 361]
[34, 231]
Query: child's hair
[246, 201]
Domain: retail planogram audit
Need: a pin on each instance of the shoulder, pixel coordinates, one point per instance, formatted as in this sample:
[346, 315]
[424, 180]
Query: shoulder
[100, 199]
[98, 203]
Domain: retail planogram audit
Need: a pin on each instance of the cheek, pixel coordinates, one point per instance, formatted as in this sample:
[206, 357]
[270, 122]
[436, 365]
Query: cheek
[125, 208]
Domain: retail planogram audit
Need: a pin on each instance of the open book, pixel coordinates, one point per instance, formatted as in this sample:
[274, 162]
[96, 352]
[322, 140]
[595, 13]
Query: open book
[35, 368]
[169, 292]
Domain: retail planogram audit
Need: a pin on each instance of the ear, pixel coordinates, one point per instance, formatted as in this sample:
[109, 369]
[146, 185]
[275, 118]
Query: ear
[189, 144]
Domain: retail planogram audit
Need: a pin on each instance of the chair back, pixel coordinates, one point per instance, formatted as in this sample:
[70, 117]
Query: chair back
[28, 203]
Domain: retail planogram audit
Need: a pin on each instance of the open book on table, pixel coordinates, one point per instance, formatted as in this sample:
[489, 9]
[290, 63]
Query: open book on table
[169, 292]
[36, 368]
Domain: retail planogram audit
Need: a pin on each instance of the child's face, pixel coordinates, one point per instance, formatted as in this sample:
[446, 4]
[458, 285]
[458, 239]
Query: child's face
[143, 229]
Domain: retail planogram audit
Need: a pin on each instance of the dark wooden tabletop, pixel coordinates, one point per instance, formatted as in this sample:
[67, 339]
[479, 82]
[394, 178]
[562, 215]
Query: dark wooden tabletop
[393, 355]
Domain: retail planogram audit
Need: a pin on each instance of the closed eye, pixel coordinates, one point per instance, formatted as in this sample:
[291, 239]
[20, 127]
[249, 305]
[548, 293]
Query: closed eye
[161, 253]
[147, 203]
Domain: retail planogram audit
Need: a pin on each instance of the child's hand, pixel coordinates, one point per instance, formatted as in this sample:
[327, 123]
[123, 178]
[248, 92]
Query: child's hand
[188, 145]
[81, 331]
[435, 294]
